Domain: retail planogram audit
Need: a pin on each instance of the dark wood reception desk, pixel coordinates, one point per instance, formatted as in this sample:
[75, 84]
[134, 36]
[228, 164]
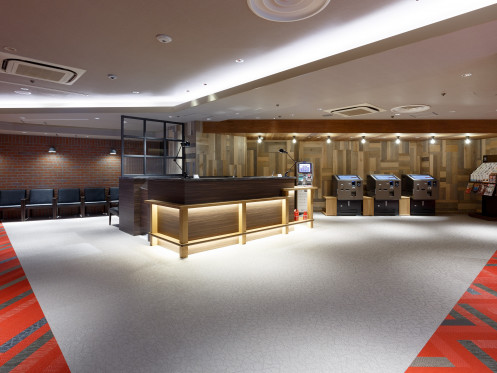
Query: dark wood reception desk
[134, 212]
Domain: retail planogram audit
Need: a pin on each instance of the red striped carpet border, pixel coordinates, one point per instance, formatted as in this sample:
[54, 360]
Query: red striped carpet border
[26, 340]
[466, 341]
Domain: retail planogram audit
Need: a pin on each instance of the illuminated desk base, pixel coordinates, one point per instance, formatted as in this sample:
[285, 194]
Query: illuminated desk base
[180, 226]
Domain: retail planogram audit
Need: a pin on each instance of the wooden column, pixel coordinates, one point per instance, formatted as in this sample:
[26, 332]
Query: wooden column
[367, 206]
[183, 232]
[405, 206]
[242, 223]
[284, 216]
[310, 212]
[153, 224]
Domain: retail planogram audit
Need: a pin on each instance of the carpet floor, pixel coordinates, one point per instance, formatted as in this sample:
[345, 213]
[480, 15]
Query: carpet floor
[353, 295]
[26, 340]
[466, 341]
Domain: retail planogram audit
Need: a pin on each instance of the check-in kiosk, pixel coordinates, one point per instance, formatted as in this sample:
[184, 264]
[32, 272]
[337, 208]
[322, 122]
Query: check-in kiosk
[423, 191]
[386, 191]
[348, 189]
[304, 177]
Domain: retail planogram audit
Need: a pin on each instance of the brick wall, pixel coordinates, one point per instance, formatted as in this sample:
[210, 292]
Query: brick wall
[79, 162]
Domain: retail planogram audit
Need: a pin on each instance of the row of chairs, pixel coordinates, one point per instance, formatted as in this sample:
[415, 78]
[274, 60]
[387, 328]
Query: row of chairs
[27, 200]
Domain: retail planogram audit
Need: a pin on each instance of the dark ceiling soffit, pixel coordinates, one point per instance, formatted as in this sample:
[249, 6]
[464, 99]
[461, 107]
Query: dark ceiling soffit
[351, 126]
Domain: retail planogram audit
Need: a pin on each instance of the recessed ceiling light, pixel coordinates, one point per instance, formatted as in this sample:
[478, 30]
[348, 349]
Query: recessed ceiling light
[112, 76]
[136, 92]
[97, 118]
[10, 49]
[239, 60]
[452, 111]
[466, 75]
[163, 38]
[24, 89]
[26, 93]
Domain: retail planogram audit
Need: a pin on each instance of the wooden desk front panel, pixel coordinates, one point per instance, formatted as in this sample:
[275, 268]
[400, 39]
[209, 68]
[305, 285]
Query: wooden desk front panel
[263, 214]
[212, 221]
[168, 221]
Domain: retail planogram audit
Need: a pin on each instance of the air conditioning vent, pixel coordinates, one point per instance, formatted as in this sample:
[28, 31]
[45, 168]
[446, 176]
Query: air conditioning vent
[39, 70]
[352, 111]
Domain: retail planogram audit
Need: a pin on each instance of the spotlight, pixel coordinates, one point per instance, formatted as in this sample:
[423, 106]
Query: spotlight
[259, 140]
[328, 140]
[294, 140]
[52, 149]
[398, 140]
[433, 141]
[363, 141]
[113, 152]
[468, 140]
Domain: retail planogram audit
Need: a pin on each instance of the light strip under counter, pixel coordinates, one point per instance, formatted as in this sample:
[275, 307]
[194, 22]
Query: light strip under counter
[184, 225]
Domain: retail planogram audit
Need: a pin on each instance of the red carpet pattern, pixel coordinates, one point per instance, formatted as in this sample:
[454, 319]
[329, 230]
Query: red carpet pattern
[466, 341]
[26, 341]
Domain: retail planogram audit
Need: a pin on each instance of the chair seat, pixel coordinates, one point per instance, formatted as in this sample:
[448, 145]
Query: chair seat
[34, 205]
[95, 203]
[68, 203]
[10, 206]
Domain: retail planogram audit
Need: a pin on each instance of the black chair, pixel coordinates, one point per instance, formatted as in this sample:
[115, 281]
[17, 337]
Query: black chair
[114, 196]
[113, 211]
[39, 199]
[12, 200]
[94, 197]
[69, 197]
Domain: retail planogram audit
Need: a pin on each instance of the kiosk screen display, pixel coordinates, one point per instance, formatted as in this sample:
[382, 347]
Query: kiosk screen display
[304, 168]
[421, 177]
[348, 177]
[385, 177]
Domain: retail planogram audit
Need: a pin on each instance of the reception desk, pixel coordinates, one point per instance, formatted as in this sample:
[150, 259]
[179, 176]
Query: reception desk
[134, 212]
[199, 212]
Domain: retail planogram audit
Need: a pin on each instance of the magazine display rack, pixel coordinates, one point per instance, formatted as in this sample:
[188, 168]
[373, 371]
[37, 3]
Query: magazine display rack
[482, 181]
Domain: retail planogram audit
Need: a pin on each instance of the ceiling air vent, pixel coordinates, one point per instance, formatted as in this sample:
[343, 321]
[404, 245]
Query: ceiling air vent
[39, 70]
[352, 111]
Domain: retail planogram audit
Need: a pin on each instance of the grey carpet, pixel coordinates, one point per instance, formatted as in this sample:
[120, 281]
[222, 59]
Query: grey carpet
[354, 294]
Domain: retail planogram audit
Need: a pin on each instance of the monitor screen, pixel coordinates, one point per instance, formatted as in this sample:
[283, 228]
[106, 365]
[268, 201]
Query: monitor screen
[385, 177]
[421, 177]
[348, 177]
[305, 167]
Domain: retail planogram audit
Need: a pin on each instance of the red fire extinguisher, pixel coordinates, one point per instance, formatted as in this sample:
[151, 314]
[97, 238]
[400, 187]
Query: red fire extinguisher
[296, 214]
[305, 215]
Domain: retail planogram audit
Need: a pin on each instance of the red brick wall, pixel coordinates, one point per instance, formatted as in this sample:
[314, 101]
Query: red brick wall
[79, 162]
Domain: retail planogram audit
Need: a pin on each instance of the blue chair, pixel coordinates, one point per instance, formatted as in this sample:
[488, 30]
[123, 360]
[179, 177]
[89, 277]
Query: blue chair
[40, 199]
[69, 197]
[114, 196]
[94, 197]
[12, 200]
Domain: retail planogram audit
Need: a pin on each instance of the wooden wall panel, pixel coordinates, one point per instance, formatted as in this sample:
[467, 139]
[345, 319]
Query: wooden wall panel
[217, 155]
[450, 161]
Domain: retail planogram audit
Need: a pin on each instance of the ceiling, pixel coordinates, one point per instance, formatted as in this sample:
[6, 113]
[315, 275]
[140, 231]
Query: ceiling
[386, 53]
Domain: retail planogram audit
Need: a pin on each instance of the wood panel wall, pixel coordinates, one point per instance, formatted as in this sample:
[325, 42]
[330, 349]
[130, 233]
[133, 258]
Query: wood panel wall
[450, 161]
[217, 155]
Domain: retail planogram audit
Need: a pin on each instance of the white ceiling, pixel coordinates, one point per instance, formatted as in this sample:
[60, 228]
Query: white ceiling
[386, 53]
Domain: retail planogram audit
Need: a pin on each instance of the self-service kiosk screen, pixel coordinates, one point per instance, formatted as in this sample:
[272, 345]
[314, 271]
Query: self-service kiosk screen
[348, 177]
[421, 177]
[305, 168]
[385, 177]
